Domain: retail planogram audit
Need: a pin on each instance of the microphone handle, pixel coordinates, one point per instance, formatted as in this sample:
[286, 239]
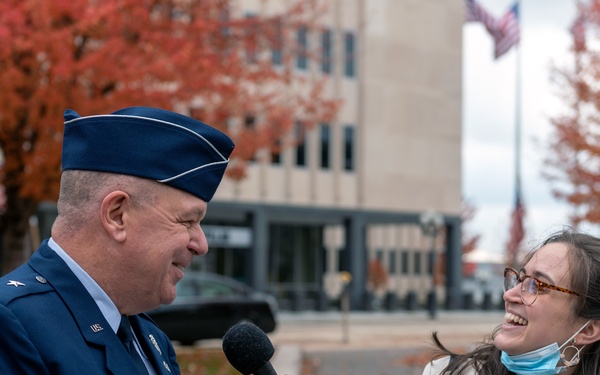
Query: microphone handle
[266, 369]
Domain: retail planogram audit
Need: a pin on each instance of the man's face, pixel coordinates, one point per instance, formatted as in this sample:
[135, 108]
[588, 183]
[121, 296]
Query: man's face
[162, 240]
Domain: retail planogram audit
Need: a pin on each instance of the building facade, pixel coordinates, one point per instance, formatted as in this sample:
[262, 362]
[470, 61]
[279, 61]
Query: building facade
[351, 195]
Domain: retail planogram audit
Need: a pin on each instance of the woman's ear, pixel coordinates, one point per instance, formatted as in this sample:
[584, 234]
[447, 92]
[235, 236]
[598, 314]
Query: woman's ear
[113, 211]
[590, 334]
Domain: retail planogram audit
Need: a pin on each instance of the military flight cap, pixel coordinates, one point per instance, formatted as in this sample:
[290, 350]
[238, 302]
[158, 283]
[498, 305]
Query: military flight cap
[152, 143]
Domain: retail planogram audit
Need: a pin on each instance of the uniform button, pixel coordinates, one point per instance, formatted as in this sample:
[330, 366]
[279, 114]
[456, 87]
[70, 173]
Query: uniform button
[40, 279]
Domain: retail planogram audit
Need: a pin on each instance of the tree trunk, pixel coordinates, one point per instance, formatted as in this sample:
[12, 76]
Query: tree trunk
[14, 229]
[16, 249]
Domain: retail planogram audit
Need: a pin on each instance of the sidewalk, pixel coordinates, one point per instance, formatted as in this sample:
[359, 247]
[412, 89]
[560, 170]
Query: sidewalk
[362, 340]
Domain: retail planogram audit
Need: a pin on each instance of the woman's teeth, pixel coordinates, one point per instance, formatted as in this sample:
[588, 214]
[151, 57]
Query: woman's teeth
[515, 319]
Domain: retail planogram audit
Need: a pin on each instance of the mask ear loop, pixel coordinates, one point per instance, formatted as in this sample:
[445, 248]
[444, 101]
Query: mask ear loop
[574, 361]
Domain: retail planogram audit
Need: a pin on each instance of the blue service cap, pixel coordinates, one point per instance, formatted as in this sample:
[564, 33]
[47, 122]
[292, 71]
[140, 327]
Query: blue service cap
[153, 143]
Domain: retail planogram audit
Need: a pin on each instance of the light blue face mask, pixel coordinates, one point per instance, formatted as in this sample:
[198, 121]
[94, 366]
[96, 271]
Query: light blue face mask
[541, 361]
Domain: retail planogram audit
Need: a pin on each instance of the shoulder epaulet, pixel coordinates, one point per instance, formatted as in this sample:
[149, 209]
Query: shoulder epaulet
[22, 282]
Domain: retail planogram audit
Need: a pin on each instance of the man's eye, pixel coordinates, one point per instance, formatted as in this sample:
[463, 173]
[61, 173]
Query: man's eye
[192, 223]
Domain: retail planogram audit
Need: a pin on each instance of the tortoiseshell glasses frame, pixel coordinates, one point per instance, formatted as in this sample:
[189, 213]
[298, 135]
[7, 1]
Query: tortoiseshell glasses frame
[530, 286]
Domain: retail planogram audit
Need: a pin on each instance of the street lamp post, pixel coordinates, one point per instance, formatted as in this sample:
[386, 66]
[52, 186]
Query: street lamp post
[431, 222]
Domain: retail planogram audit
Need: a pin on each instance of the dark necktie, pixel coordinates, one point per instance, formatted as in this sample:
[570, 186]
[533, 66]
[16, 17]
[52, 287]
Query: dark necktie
[126, 336]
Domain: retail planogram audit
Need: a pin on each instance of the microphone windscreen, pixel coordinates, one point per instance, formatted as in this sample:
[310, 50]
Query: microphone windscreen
[247, 347]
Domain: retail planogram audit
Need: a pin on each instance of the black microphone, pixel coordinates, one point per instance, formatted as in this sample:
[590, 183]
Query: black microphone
[248, 349]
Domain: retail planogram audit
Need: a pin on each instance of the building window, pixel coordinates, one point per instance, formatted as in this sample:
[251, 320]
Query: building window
[393, 268]
[300, 145]
[430, 262]
[249, 124]
[222, 42]
[224, 20]
[276, 153]
[302, 56]
[326, 46]
[325, 131]
[348, 148]
[276, 52]
[417, 259]
[405, 262]
[349, 55]
[250, 31]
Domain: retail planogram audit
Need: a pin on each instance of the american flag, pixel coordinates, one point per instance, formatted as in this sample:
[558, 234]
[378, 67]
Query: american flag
[578, 32]
[505, 31]
[508, 26]
[517, 230]
[476, 13]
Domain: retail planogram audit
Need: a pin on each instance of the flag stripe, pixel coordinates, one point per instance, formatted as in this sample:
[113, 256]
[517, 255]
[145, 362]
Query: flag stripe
[508, 26]
[476, 13]
[505, 31]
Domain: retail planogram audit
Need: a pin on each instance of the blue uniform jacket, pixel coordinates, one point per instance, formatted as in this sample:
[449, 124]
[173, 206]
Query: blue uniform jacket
[49, 324]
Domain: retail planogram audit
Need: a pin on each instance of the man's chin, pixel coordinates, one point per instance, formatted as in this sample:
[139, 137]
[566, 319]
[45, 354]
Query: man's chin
[169, 297]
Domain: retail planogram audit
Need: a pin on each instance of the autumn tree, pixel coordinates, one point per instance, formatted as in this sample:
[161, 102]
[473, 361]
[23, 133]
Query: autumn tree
[573, 163]
[207, 59]
[469, 240]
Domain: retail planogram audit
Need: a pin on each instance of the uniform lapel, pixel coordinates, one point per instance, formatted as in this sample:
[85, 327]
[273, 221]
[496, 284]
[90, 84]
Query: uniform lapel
[155, 353]
[93, 326]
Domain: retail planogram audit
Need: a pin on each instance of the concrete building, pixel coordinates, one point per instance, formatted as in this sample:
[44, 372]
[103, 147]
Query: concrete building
[354, 191]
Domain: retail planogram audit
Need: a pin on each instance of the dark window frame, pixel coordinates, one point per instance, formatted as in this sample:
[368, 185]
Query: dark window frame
[349, 54]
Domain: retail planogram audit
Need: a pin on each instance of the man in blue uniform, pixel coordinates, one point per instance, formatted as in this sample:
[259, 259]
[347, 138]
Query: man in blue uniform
[134, 189]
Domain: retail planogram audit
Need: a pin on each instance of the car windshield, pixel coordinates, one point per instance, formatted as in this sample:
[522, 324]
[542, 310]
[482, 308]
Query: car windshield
[204, 288]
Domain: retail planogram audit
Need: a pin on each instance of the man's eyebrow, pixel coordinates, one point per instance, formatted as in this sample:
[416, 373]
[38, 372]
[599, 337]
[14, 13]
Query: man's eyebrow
[194, 213]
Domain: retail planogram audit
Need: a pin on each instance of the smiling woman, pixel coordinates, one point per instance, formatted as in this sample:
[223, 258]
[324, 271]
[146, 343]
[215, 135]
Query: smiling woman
[552, 316]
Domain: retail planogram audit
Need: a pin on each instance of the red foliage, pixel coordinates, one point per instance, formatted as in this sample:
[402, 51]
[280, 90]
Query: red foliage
[574, 149]
[203, 58]
[377, 275]
[469, 241]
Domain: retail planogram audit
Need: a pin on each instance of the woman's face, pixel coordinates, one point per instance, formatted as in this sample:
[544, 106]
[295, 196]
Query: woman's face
[550, 318]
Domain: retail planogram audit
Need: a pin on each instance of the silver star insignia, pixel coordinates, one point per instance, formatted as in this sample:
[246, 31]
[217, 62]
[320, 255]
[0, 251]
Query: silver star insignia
[15, 283]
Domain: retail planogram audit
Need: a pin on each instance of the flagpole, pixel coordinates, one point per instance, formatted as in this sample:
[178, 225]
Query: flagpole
[516, 227]
[518, 113]
[506, 33]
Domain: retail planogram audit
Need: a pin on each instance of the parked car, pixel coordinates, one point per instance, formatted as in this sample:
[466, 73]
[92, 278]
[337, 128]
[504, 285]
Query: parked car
[207, 305]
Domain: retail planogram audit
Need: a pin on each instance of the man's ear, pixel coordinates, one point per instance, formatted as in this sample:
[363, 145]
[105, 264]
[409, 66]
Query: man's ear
[590, 334]
[113, 210]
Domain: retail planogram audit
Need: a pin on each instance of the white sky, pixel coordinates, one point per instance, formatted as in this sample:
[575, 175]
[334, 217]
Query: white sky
[489, 120]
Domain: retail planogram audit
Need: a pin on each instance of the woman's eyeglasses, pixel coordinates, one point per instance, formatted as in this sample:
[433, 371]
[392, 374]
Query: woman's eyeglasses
[530, 286]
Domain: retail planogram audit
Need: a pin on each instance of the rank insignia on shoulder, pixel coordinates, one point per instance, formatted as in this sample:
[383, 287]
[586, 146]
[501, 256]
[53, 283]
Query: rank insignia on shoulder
[15, 283]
